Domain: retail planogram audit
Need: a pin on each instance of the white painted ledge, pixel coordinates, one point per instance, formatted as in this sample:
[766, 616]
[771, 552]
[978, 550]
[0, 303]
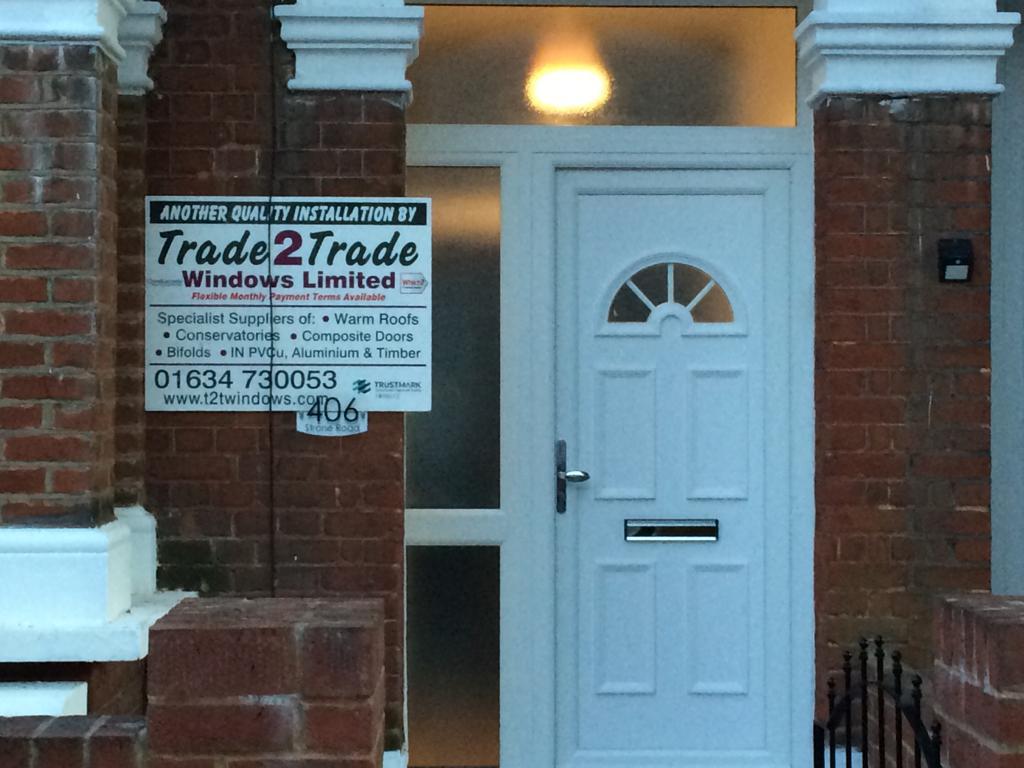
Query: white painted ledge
[79, 21]
[65, 576]
[43, 699]
[395, 759]
[126, 638]
[140, 32]
[903, 48]
[351, 45]
[81, 594]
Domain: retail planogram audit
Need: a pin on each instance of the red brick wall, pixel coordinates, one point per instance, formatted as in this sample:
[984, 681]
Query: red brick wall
[902, 367]
[72, 742]
[57, 282]
[978, 676]
[129, 465]
[245, 505]
[288, 682]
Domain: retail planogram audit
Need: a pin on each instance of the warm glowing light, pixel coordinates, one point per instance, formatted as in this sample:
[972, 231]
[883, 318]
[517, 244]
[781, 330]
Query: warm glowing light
[568, 89]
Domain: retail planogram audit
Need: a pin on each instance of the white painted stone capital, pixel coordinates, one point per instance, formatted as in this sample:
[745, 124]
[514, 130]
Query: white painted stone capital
[143, 544]
[56, 21]
[80, 594]
[903, 47]
[140, 32]
[65, 576]
[351, 45]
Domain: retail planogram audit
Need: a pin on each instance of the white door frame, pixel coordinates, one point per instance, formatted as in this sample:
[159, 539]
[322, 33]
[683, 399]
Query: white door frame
[1007, 323]
[524, 527]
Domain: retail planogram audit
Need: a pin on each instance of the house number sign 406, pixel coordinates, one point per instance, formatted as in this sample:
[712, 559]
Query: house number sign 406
[330, 417]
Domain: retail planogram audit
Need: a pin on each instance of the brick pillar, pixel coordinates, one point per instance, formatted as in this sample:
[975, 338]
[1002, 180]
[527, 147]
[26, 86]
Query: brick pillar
[282, 682]
[139, 33]
[209, 133]
[245, 505]
[58, 154]
[902, 373]
[902, 366]
[978, 676]
[339, 502]
[130, 417]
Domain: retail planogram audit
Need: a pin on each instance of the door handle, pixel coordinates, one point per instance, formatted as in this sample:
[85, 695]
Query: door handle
[562, 476]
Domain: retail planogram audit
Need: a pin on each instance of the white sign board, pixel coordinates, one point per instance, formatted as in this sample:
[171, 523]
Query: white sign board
[255, 304]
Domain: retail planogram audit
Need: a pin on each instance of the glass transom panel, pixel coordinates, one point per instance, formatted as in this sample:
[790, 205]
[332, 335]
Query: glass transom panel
[535, 65]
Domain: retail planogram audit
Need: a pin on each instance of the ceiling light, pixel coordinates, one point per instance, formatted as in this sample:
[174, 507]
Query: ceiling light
[568, 89]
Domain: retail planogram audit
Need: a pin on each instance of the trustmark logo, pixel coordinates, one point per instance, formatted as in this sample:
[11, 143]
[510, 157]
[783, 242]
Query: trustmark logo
[361, 386]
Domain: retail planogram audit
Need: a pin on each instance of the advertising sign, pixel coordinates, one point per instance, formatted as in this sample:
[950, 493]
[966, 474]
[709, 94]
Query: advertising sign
[256, 304]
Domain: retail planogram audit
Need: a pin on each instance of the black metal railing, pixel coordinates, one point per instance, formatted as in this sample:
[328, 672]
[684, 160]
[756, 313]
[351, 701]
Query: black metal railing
[926, 745]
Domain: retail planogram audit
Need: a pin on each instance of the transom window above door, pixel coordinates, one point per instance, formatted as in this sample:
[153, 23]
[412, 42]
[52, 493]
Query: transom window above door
[571, 65]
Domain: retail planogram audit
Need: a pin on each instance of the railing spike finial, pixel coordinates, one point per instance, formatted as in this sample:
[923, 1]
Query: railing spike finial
[915, 692]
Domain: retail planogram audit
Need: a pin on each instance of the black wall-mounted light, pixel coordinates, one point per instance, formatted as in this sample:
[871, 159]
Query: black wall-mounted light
[956, 261]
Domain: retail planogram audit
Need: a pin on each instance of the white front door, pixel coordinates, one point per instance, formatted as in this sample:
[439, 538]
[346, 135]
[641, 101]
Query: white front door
[673, 585]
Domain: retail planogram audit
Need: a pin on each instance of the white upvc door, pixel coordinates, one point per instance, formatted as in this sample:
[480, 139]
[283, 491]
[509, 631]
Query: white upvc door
[673, 610]
[641, 653]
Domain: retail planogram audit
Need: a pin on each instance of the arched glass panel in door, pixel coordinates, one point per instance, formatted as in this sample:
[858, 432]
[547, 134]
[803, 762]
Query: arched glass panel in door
[671, 288]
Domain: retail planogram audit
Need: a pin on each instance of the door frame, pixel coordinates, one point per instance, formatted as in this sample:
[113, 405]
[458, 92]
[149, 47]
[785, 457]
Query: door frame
[524, 527]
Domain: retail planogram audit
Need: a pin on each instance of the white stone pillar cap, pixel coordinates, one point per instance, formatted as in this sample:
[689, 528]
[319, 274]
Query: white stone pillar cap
[351, 45]
[903, 47]
[55, 21]
[140, 32]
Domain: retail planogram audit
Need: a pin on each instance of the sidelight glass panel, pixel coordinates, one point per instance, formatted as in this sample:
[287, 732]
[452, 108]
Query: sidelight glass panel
[453, 656]
[606, 66]
[453, 451]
